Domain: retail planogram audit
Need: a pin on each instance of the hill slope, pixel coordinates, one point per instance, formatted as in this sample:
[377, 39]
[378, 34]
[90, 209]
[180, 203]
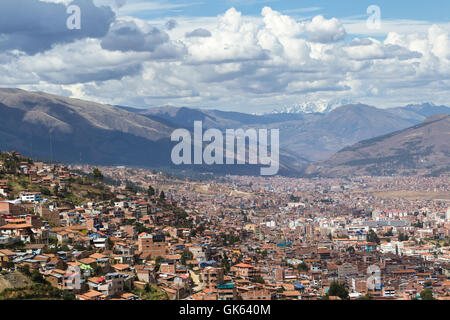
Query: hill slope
[422, 149]
[312, 136]
[51, 127]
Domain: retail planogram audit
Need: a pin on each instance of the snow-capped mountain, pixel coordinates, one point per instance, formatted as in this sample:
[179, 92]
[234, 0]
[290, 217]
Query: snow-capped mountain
[321, 106]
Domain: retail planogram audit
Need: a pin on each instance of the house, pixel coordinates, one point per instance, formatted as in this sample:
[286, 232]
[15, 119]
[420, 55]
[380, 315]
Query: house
[212, 277]
[243, 270]
[112, 284]
[145, 274]
[257, 294]
[129, 296]
[62, 236]
[388, 292]
[153, 245]
[226, 291]
[19, 230]
[90, 295]
[11, 208]
[347, 269]
[6, 257]
[34, 197]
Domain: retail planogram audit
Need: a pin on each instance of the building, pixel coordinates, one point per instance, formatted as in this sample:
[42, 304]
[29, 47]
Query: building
[212, 277]
[244, 271]
[226, 291]
[347, 269]
[152, 245]
[11, 208]
[31, 197]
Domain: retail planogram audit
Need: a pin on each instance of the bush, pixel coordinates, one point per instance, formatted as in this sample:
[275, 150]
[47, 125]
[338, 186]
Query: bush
[337, 289]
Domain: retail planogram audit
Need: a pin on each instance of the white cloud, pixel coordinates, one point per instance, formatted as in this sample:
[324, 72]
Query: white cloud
[242, 63]
[323, 30]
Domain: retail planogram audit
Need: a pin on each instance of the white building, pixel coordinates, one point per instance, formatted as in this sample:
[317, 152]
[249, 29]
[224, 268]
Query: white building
[31, 196]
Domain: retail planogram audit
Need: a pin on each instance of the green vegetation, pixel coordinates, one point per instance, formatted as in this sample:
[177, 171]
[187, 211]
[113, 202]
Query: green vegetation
[259, 279]
[302, 267]
[98, 175]
[186, 256]
[403, 237]
[151, 191]
[37, 291]
[225, 263]
[373, 237]
[151, 293]
[367, 296]
[337, 289]
[427, 294]
[41, 289]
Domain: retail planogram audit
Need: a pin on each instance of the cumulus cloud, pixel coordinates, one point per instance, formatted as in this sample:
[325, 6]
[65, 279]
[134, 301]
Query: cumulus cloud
[126, 36]
[281, 25]
[234, 40]
[235, 61]
[198, 33]
[171, 24]
[323, 30]
[33, 26]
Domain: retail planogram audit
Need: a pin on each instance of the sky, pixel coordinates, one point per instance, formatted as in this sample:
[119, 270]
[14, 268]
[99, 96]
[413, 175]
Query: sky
[251, 56]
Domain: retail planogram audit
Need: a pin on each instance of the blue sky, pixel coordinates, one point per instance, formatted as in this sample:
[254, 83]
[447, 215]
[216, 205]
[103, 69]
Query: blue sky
[253, 56]
[432, 10]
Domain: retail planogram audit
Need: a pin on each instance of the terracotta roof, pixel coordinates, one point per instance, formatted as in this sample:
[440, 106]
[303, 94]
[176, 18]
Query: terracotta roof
[16, 226]
[243, 265]
[93, 294]
[121, 266]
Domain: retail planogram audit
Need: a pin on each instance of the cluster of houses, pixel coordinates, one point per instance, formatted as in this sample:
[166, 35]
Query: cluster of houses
[230, 241]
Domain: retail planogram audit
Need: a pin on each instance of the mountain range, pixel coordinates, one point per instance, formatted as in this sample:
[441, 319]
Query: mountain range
[319, 106]
[422, 149]
[52, 127]
[308, 136]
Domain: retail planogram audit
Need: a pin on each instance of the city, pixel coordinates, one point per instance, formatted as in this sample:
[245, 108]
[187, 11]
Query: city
[111, 233]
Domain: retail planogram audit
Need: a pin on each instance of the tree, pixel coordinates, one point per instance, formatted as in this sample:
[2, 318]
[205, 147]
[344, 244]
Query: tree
[186, 256]
[373, 237]
[427, 294]
[98, 175]
[162, 196]
[150, 191]
[130, 187]
[389, 233]
[259, 279]
[302, 267]
[158, 261]
[225, 263]
[56, 189]
[337, 289]
[403, 237]
[37, 277]
[351, 250]
[45, 191]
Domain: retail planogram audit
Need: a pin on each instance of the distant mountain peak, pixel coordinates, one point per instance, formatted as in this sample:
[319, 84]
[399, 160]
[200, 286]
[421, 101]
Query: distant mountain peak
[422, 105]
[318, 106]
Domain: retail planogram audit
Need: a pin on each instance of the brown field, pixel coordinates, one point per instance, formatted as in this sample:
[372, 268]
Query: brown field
[413, 195]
